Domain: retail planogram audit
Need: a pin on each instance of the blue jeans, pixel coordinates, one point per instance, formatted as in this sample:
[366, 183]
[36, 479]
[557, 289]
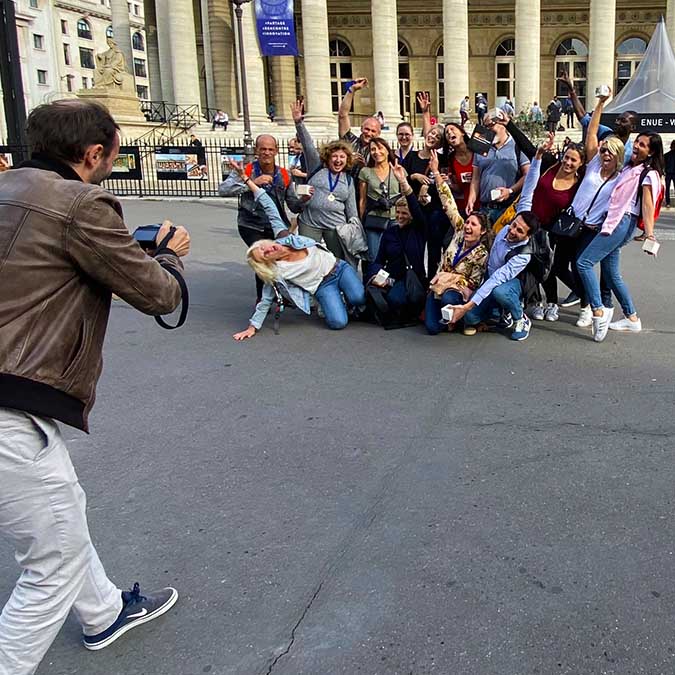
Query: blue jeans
[494, 212]
[606, 251]
[506, 296]
[373, 238]
[432, 312]
[343, 280]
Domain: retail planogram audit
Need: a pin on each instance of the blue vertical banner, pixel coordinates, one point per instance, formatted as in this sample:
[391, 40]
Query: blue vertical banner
[276, 27]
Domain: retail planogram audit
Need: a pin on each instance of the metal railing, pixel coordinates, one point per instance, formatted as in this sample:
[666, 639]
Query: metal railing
[173, 120]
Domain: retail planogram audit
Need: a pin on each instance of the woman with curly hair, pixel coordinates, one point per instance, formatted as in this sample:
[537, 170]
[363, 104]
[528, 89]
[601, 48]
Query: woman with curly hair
[333, 200]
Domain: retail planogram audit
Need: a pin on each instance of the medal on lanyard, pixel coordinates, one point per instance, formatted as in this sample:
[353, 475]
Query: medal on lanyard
[331, 185]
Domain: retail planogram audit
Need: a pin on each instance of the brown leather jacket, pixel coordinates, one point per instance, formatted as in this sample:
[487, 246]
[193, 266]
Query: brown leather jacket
[64, 249]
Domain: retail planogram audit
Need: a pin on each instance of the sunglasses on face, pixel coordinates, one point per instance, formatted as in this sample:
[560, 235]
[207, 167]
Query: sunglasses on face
[604, 151]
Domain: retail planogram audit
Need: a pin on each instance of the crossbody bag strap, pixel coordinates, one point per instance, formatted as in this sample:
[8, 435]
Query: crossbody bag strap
[590, 208]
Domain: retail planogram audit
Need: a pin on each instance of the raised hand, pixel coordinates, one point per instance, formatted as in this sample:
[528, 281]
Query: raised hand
[399, 172]
[546, 146]
[359, 83]
[296, 111]
[424, 101]
[433, 161]
[565, 79]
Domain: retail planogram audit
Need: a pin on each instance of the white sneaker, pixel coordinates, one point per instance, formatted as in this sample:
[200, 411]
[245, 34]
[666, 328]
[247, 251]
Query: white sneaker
[537, 312]
[626, 325]
[551, 312]
[585, 317]
[601, 324]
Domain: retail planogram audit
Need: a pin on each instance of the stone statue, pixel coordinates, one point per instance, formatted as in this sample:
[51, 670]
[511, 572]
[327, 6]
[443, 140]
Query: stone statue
[111, 70]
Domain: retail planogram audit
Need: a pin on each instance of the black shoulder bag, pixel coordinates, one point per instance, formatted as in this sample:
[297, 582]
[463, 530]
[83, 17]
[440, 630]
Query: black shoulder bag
[568, 224]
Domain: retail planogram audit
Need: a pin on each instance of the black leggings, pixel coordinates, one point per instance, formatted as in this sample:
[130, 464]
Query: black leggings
[564, 268]
[250, 236]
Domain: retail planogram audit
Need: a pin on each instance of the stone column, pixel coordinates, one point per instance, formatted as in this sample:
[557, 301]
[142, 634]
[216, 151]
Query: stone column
[255, 71]
[184, 64]
[670, 21]
[316, 61]
[601, 47]
[283, 86]
[122, 31]
[528, 52]
[208, 56]
[221, 37]
[384, 34]
[164, 46]
[455, 55]
[152, 50]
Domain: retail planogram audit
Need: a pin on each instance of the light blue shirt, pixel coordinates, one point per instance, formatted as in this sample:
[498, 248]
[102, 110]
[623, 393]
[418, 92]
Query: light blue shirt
[499, 269]
[300, 297]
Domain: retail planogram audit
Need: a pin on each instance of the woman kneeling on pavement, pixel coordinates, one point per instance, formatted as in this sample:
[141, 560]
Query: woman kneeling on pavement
[635, 193]
[401, 253]
[463, 261]
[298, 268]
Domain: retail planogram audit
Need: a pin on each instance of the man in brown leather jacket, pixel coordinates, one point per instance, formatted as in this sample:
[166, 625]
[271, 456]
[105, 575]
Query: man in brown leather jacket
[64, 249]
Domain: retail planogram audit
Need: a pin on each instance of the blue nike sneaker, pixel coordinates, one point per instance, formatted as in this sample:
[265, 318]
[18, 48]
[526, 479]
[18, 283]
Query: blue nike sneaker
[137, 609]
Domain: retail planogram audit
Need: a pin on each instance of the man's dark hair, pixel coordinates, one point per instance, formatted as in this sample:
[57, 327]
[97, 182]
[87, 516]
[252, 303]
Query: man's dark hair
[531, 221]
[634, 119]
[63, 130]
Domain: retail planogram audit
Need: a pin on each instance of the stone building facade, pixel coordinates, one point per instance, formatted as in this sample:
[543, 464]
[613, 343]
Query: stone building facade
[451, 48]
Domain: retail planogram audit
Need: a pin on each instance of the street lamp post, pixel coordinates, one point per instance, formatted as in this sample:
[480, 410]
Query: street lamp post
[248, 138]
[10, 76]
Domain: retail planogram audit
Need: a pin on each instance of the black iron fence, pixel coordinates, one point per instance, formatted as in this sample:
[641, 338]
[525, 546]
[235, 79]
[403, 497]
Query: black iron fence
[172, 169]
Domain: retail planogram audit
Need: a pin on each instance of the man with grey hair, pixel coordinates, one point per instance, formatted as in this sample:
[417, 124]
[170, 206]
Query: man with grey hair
[370, 127]
[498, 176]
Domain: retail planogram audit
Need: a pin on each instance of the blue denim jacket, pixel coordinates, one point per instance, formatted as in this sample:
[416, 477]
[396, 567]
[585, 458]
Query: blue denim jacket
[298, 295]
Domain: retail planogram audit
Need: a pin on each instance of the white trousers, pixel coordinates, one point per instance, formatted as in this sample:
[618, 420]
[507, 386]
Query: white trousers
[43, 513]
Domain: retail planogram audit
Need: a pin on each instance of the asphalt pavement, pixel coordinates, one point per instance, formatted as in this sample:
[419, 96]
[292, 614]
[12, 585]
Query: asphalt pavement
[380, 502]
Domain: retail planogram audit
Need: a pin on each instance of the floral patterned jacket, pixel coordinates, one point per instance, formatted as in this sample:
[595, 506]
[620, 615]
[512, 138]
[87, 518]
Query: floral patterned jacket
[470, 269]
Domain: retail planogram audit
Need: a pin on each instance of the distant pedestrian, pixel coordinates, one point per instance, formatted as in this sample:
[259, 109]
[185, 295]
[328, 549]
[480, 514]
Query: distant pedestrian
[481, 107]
[568, 110]
[271, 111]
[508, 108]
[553, 114]
[379, 116]
[536, 113]
[220, 119]
[195, 142]
[464, 110]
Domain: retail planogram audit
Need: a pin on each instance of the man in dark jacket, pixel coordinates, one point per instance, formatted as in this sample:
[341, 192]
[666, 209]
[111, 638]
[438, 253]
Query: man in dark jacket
[64, 249]
[670, 171]
[253, 223]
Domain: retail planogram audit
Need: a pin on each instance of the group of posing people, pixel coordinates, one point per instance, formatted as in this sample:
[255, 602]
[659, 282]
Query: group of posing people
[459, 240]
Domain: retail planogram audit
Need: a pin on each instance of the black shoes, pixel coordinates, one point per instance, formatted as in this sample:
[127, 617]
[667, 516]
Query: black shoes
[571, 300]
[138, 609]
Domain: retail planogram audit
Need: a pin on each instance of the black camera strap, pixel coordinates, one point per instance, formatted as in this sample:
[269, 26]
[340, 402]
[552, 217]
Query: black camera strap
[185, 296]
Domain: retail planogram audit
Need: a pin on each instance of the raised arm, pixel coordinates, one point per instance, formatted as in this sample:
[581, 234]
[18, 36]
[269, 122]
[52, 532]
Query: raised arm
[592, 133]
[419, 220]
[445, 193]
[424, 103]
[579, 110]
[312, 159]
[363, 195]
[474, 189]
[344, 121]
[524, 144]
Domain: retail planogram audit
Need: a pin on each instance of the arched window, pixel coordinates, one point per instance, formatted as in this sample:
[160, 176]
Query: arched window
[440, 77]
[571, 57]
[137, 42]
[109, 32]
[404, 79]
[629, 56]
[340, 70]
[505, 70]
[83, 29]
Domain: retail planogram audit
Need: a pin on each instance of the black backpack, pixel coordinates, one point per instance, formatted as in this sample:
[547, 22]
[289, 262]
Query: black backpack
[539, 267]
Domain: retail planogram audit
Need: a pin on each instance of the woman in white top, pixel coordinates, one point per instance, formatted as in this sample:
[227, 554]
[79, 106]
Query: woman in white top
[590, 204]
[298, 268]
[634, 194]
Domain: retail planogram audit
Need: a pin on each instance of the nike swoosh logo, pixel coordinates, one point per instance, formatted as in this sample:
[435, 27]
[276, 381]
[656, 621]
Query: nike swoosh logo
[143, 612]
